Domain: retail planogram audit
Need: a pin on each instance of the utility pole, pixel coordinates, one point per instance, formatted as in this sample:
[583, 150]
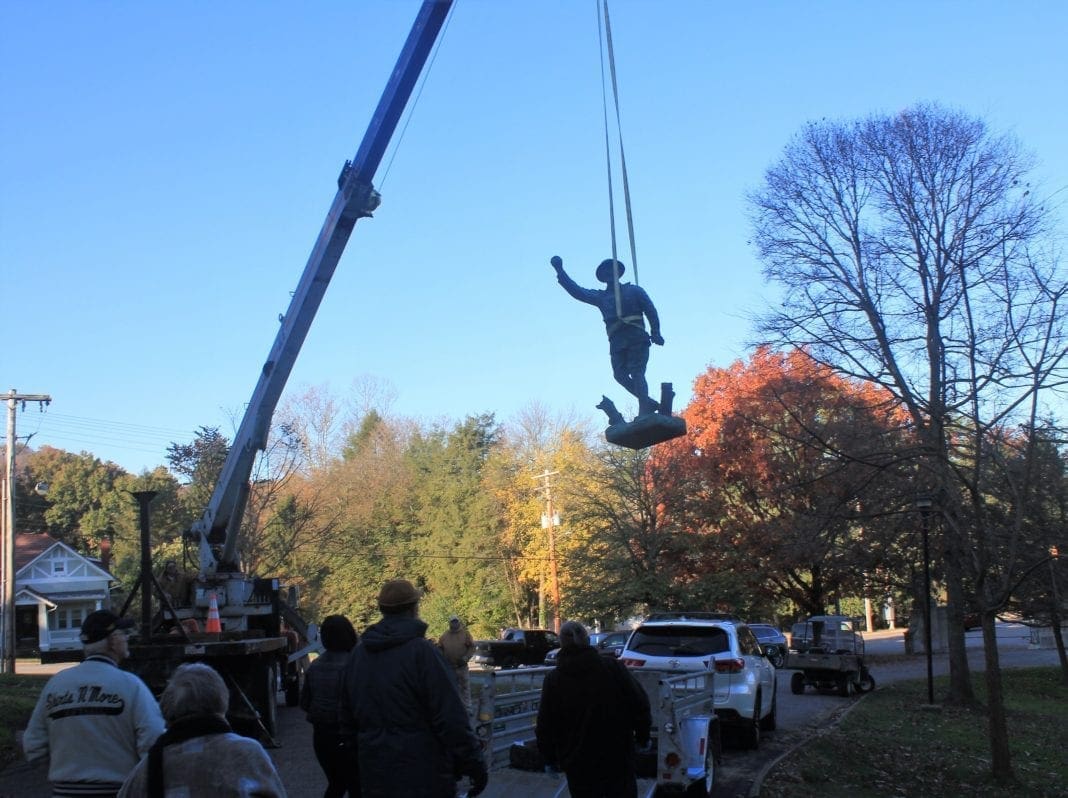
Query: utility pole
[549, 522]
[7, 574]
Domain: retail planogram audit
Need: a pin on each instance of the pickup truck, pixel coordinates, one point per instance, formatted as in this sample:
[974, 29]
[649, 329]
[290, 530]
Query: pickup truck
[516, 647]
[826, 652]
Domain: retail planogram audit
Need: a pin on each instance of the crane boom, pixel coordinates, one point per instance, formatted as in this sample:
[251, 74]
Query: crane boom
[355, 198]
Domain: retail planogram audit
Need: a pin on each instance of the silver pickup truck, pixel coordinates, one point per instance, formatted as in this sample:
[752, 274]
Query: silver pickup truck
[827, 653]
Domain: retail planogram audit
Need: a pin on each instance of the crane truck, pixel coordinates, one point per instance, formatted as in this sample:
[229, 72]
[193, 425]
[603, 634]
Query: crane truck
[240, 624]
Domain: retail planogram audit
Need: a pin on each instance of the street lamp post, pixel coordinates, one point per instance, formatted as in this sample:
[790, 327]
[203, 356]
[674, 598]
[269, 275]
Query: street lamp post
[925, 504]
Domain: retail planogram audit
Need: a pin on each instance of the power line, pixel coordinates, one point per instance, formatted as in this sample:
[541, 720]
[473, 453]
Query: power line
[80, 432]
[487, 557]
[117, 425]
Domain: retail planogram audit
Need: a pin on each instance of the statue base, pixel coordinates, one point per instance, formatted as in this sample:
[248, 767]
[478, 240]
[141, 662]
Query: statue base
[645, 431]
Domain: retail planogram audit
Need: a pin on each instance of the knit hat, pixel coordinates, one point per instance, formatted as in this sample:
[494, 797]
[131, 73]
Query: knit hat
[573, 635]
[398, 593]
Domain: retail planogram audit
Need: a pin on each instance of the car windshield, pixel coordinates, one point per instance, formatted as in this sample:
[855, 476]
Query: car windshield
[679, 641]
[765, 632]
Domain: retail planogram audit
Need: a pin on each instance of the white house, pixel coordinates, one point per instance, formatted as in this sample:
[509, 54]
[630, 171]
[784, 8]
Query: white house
[55, 588]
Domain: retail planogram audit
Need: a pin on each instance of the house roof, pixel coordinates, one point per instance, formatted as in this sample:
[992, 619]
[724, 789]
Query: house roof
[35, 595]
[75, 594]
[28, 547]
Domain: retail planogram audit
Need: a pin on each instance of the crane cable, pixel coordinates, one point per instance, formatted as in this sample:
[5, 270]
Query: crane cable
[409, 111]
[605, 40]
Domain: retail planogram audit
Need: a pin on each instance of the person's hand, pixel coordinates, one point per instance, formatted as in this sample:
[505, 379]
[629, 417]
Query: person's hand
[657, 339]
[479, 780]
[557, 262]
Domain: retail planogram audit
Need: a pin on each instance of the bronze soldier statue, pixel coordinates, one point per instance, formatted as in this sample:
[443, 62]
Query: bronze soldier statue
[624, 320]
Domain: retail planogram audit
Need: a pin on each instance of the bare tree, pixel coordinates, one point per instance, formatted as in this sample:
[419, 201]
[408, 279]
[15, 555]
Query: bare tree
[286, 511]
[910, 251]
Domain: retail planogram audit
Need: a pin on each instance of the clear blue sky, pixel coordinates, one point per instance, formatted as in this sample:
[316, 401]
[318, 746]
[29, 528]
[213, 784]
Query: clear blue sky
[166, 168]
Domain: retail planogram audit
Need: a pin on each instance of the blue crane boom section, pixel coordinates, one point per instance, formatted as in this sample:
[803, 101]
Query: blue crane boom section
[355, 198]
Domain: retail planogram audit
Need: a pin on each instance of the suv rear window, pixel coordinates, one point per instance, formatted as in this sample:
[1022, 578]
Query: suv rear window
[679, 641]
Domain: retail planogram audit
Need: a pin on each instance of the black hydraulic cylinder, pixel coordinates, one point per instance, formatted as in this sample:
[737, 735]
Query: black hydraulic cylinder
[144, 498]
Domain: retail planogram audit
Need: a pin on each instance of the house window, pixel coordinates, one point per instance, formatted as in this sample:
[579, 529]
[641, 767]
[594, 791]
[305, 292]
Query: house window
[59, 567]
[66, 618]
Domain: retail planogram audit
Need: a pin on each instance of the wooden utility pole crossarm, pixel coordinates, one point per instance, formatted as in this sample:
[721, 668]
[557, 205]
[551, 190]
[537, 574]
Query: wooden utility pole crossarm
[7, 572]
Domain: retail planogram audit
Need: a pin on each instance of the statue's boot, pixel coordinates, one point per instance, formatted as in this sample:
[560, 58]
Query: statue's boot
[647, 405]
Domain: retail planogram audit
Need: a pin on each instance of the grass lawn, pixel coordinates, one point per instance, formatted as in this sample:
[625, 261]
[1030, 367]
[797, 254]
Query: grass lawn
[890, 745]
[18, 694]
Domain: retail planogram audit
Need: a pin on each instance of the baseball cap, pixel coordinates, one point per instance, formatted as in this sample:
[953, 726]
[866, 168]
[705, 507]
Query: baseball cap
[101, 623]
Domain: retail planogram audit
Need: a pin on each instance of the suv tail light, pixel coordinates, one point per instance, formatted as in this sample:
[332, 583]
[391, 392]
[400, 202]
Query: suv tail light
[730, 665]
[632, 663]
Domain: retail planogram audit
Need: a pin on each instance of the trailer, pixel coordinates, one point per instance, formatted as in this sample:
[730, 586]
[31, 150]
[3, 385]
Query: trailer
[685, 740]
[245, 626]
[827, 653]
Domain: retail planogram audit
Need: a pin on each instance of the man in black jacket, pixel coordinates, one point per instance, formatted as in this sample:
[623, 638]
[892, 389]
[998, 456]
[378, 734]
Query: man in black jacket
[400, 704]
[592, 713]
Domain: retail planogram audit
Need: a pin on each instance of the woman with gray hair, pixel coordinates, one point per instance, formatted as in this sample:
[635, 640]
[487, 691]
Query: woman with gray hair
[199, 754]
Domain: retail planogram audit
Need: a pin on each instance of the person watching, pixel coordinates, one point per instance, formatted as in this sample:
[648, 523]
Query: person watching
[400, 705]
[93, 722]
[199, 755]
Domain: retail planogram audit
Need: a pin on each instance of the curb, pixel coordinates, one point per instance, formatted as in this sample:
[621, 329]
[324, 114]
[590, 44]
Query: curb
[758, 781]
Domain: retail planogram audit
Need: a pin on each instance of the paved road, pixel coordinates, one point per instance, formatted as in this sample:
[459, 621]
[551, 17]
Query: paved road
[799, 717]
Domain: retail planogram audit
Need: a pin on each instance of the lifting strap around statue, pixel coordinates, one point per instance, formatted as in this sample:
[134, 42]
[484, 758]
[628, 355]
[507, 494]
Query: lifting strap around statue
[605, 39]
[651, 428]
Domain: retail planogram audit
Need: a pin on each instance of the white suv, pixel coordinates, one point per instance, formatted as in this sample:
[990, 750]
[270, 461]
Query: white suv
[744, 683]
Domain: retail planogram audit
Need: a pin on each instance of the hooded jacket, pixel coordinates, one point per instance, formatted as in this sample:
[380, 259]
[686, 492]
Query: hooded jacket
[400, 704]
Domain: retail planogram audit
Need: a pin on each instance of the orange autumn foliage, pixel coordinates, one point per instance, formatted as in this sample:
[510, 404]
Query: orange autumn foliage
[781, 451]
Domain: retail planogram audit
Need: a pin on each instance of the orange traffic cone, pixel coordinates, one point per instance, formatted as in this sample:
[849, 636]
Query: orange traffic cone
[214, 625]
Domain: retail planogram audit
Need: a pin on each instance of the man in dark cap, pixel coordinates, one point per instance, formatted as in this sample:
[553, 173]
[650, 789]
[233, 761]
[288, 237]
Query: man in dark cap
[457, 645]
[624, 308]
[592, 713]
[402, 711]
[93, 722]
